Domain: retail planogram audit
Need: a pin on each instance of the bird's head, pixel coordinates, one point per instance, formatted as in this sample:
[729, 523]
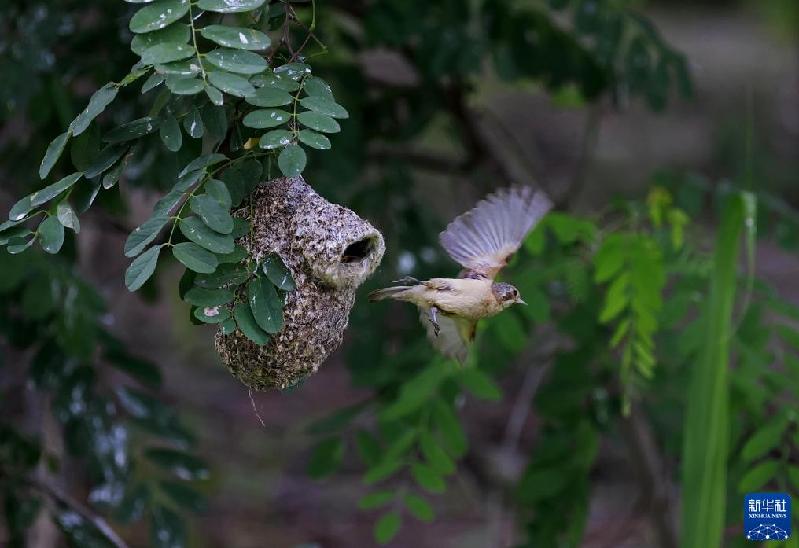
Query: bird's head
[506, 294]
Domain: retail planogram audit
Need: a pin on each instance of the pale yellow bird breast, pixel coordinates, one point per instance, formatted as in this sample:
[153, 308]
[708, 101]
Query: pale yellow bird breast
[467, 298]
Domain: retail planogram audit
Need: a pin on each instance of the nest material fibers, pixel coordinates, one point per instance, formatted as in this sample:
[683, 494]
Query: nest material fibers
[330, 251]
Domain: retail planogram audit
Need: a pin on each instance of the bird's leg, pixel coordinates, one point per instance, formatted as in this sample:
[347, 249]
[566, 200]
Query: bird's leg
[434, 320]
[407, 280]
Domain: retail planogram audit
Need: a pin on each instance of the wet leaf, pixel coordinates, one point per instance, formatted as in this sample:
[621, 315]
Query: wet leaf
[166, 53]
[229, 6]
[236, 37]
[238, 61]
[318, 122]
[193, 124]
[158, 15]
[275, 139]
[184, 86]
[143, 235]
[314, 140]
[215, 96]
[173, 34]
[266, 118]
[67, 217]
[199, 296]
[233, 84]
[292, 160]
[212, 314]
[49, 192]
[324, 105]
[132, 130]
[270, 97]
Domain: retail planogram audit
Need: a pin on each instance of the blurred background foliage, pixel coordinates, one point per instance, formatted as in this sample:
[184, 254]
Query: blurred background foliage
[569, 426]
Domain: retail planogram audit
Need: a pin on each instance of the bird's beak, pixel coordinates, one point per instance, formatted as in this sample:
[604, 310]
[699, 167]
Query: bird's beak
[520, 301]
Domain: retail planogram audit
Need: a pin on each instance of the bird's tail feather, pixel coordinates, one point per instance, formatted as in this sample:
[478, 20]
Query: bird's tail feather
[388, 293]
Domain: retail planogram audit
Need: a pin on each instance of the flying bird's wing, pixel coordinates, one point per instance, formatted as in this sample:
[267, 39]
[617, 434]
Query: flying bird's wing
[454, 336]
[483, 239]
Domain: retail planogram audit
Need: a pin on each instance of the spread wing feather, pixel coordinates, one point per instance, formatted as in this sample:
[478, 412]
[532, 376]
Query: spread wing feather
[483, 239]
[454, 337]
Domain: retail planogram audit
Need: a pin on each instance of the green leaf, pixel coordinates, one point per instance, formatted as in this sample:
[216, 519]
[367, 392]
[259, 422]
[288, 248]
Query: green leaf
[193, 124]
[196, 231]
[51, 235]
[183, 496]
[236, 256]
[195, 257]
[187, 68]
[324, 105]
[758, 476]
[232, 84]
[53, 153]
[764, 440]
[313, 140]
[142, 268]
[707, 421]
[376, 500]
[202, 162]
[480, 384]
[67, 217]
[368, 448]
[385, 469]
[270, 97]
[275, 139]
[236, 37]
[199, 296]
[229, 6]
[215, 95]
[278, 273]
[143, 235]
[387, 527]
[419, 507]
[435, 455]
[450, 428]
[166, 529]
[272, 80]
[224, 276]
[248, 325]
[158, 15]
[266, 118]
[113, 175]
[318, 122]
[175, 34]
[183, 465]
[166, 53]
[18, 244]
[184, 86]
[293, 71]
[428, 478]
[326, 457]
[171, 135]
[20, 209]
[213, 314]
[238, 61]
[212, 213]
[228, 327]
[416, 391]
[218, 190]
[266, 305]
[292, 160]
[107, 157]
[315, 86]
[97, 104]
[49, 192]
[132, 130]
[152, 82]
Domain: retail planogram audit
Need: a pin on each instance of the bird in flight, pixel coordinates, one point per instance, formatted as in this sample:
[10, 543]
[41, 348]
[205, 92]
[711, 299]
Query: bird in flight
[482, 241]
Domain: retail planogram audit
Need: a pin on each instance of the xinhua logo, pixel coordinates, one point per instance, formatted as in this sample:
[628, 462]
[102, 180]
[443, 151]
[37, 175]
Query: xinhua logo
[767, 516]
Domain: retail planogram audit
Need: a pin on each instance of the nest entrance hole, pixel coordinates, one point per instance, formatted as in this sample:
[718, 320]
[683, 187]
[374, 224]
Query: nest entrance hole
[358, 251]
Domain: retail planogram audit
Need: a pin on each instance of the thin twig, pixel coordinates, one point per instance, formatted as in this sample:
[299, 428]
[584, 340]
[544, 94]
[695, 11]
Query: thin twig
[59, 495]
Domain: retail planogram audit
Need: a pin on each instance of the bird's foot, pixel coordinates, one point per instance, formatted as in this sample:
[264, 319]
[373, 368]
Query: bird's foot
[407, 280]
[434, 320]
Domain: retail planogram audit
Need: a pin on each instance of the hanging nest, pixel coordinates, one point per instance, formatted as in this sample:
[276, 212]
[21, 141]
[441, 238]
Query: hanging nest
[330, 251]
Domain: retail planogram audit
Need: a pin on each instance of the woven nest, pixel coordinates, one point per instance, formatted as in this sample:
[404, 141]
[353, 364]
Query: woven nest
[330, 252]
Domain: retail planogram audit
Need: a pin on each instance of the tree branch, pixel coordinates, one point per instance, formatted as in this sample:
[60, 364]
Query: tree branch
[62, 497]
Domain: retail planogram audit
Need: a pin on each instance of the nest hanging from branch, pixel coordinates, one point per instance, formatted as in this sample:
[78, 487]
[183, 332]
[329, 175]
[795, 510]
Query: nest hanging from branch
[330, 251]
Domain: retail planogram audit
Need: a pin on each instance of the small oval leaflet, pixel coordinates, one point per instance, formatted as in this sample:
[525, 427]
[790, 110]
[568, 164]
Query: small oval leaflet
[278, 273]
[158, 15]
